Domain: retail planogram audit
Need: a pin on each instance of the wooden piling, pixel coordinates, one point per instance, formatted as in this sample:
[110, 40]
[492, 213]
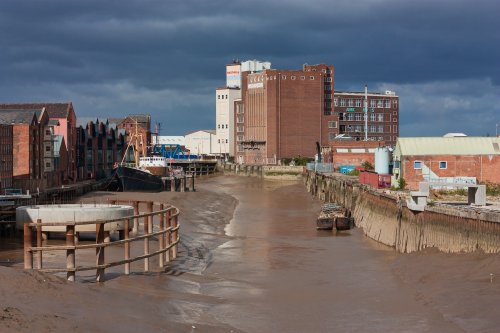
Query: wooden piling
[175, 233]
[127, 245]
[135, 229]
[39, 242]
[28, 255]
[70, 253]
[99, 251]
[161, 243]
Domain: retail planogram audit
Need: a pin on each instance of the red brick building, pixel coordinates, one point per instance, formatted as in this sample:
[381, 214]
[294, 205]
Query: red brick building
[383, 115]
[452, 159]
[6, 156]
[140, 123]
[27, 146]
[64, 115]
[342, 152]
[284, 113]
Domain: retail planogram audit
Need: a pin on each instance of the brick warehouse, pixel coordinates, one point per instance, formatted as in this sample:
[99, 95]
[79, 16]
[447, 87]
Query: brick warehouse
[453, 159]
[383, 115]
[284, 113]
[347, 152]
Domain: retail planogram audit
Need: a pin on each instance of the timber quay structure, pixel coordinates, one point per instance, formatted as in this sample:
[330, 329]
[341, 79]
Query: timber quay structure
[159, 225]
[386, 218]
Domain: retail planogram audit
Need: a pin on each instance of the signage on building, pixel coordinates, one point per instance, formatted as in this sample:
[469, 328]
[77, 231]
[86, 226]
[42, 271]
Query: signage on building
[256, 85]
[233, 76]
[350, 109]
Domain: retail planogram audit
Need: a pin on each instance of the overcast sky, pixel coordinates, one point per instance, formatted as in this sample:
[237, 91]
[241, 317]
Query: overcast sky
[166, 57]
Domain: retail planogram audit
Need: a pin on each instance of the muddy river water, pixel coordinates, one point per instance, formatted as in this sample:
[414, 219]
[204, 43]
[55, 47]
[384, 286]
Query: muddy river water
[251, 260]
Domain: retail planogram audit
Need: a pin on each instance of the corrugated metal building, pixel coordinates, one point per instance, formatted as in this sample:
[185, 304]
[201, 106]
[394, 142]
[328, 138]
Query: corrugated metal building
[447, 159]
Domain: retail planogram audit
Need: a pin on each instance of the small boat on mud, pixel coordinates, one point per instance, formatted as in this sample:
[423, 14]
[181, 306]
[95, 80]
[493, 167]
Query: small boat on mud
[333, 215]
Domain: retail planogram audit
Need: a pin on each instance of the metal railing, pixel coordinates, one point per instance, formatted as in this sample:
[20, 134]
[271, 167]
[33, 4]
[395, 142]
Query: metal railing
[167, 235]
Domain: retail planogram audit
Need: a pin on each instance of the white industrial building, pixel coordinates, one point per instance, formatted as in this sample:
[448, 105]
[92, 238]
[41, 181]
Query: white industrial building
[201, 142]
[224, 106]
[168, 140]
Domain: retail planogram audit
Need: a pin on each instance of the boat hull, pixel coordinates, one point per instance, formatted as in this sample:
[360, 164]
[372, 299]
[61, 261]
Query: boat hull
[325, 223]
[343, 223]
[136, 180]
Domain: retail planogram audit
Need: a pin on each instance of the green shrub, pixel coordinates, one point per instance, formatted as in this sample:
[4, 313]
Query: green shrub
[401, 183]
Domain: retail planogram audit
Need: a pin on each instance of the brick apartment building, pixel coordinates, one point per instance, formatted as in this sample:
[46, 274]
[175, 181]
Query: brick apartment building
[383, 115]
[283, 113]
[63, 123]
[6, 156]
[451, 159]
[140, 123]
[100, 145]
[27, 146]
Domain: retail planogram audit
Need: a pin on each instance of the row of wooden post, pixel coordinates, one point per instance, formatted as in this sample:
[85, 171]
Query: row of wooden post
[165, 240]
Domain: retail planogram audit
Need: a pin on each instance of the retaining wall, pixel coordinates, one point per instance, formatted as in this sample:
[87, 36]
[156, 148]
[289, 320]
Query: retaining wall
[386, 219]
[266, 171]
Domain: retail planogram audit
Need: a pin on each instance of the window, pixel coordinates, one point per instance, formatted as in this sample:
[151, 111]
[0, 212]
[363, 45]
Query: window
[240, 138]
[218, 126]
[336, 101]
[240, 128]
[380, 103]
[323, 70]
[226, 125]
[394, 119]
[328, 87]
[394, 128]
[358, 102]
[292, 77]
[331, 136]
[328, 104]
[372, 116]
[226, 140]
[342, 102]
[311, 77]
[373, 129]
[47, 164]
[417, 165]
[47, 148]
[350, 117]
[218, 96]
[283, 77]
[302, 77]
[443, 165]
[394, 104]
[218, 140]
[380, 117]
[358, 116]
[332, 124]
[226, 96]
[387, 103]
[328, 79]
[358, 128]
[328, 96]
[373, 103]
[47, 132]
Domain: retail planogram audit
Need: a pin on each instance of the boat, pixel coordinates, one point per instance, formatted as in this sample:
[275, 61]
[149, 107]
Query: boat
[133, 177]
[160, 166]
[333, 215]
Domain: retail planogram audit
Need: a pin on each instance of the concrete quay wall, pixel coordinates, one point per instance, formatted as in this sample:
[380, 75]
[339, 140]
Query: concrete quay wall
[386, 219]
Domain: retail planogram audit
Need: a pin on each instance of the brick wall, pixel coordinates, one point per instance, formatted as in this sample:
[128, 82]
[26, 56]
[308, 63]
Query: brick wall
[484, 168]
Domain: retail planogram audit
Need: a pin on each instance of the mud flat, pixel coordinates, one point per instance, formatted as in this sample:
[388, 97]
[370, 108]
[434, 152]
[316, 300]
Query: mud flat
[251, 260]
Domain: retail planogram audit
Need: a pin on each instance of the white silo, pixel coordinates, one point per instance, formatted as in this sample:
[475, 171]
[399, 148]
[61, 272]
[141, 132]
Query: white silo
[382, 158]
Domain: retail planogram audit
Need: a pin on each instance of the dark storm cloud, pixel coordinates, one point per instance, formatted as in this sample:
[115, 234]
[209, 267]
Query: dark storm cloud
[167, 57]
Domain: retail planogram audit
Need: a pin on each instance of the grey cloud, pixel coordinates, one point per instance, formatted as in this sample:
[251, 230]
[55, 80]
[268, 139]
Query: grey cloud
[108, 56]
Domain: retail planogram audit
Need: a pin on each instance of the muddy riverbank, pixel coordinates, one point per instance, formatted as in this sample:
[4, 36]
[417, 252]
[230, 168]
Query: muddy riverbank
[251, 260]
